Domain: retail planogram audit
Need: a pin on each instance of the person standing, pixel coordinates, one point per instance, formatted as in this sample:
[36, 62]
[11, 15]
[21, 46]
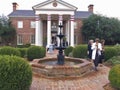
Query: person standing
[89, 50]
[96, 53]
[102, 51]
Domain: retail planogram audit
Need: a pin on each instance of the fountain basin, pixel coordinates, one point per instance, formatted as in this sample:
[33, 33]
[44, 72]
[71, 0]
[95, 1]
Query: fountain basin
[73, 67]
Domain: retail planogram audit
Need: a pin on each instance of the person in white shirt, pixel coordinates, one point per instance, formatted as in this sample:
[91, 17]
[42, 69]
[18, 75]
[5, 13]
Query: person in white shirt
[96, 53]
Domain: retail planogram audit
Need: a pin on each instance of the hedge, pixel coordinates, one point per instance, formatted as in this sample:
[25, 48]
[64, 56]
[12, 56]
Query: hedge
[35, 52]
[113, 61]
[6, 50]
[80, 51]
[110, 52]
[68, 50]
[114, 76]
[15, 73]
[23, 52]
[117, 47]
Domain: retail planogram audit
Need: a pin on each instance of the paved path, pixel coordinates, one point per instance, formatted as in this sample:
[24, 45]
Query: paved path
[93, 81]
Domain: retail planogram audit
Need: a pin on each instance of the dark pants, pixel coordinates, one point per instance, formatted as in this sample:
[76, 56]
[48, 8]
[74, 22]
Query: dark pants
[101, 58]
[97, 60]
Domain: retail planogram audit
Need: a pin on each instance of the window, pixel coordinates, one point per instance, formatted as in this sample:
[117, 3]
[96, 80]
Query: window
[75, 40]
[75, 25]
[32, 39]
[20, 24]
[19, 39]
[32, 24]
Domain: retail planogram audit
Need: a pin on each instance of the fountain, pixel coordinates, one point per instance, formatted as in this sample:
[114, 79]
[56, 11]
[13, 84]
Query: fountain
[60, 56]
[61, 66]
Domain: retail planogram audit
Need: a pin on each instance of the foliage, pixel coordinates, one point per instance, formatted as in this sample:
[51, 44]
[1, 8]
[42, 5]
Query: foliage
[114, 76]
[35, 52]
[117, 47]
[101, 27]
[68, 50]
[6, 50]
[113, 61]
[110, 52]
[80, 51]
[7, 31]
[15, 73]
[23, 52]
[24, 46]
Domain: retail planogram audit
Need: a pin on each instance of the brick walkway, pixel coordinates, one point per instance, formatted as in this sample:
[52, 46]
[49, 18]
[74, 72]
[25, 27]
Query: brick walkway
[93, 81]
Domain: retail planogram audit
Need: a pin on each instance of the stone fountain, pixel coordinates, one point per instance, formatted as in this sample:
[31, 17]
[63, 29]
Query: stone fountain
[60, 67]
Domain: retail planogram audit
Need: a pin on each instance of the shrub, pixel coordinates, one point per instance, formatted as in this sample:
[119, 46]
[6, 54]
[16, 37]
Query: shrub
[15, 73]
[113, 61]
[6, 50]
[110, 52]
[117, 47]
[24, 46]
[68, 50]
[35, 52]
[23, 52]
[114, 76]
[43, 52]
[80, 51]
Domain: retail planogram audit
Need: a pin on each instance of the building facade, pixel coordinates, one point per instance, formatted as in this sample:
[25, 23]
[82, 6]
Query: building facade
[40, 25]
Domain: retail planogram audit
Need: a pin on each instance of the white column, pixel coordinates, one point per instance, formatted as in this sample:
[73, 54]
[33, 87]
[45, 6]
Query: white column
[38, 32]
[72, 31]
[68, 31]
[48, 30]
[41, 33]
[59, 22]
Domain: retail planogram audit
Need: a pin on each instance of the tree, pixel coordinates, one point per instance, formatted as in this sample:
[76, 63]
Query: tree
[101, 27]
[7, 31]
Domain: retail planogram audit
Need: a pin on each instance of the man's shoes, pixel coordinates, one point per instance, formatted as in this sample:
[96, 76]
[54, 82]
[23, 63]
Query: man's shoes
[95, 68]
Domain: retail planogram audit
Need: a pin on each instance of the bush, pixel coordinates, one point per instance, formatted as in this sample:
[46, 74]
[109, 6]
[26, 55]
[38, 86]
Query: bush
[6, 50]
[117, 47]
[68, 50]
[15, 73]
[110, 52]
[24, 46]
[114, 76]
[113, 61]
[35, 52]
[80, 51]
[23, 52]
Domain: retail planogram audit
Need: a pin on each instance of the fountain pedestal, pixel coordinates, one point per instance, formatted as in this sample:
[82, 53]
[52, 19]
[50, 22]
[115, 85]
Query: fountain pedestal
[60, 55]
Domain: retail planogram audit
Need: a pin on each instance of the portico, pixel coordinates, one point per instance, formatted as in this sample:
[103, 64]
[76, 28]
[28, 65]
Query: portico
[52, 13]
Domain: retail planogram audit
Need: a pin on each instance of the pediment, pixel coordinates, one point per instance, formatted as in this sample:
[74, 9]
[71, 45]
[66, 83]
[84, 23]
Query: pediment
[54, 5]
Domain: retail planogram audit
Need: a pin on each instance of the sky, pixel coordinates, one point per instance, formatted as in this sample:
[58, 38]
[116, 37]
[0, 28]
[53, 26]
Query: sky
[109, 8]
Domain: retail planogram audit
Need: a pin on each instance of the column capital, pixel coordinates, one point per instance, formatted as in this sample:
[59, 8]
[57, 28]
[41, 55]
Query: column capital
[49, 17]
[72, 18]
[60, 17]
[37, 17]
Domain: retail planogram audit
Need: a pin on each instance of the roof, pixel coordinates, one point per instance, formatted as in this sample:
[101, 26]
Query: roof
[48, 2]
[82, 14]
[30, 13]
[22, 13]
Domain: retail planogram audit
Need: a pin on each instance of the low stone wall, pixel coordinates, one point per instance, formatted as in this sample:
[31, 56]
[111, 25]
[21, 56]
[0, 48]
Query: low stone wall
[58, 71]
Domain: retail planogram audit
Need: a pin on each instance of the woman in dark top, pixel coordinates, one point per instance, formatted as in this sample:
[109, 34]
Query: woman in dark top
[89, 51]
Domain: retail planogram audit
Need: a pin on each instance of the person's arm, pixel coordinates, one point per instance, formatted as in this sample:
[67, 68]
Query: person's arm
[93, 46]
[100, 46]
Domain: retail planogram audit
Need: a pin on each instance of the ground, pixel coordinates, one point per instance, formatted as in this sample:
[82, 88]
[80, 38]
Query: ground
[96, 80]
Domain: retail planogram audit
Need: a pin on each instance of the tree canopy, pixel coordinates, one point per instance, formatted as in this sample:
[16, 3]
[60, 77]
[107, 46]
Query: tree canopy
[7, 31]
[98, 26]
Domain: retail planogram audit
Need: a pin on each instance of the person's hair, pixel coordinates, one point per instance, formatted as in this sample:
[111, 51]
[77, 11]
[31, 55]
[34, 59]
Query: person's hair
[102, 40]
[97, 39]
[90, 41]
